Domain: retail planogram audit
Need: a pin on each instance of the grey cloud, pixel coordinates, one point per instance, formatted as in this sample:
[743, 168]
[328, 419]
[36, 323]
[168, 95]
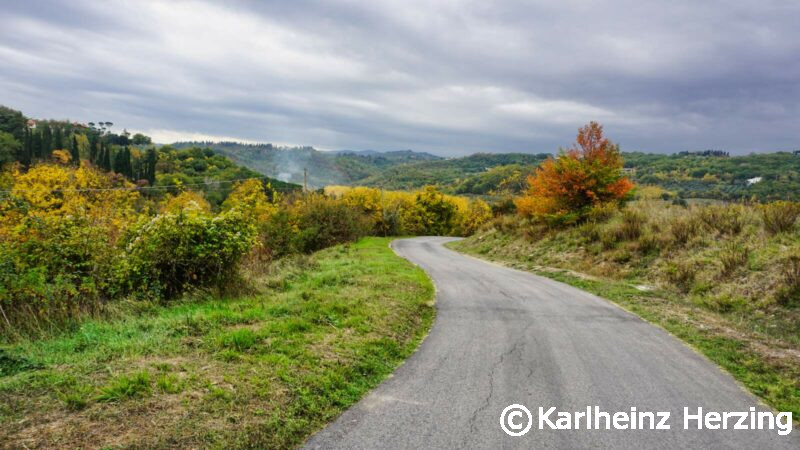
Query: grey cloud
[452, 77]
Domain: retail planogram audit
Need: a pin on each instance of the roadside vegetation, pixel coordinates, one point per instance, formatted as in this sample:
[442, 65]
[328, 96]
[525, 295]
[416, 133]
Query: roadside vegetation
[78, 235]
[724, 277]
[173, 298]
[262, 370]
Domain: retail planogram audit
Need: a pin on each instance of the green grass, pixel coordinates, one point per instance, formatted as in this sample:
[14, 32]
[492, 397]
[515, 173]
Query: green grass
[263, 371]
[742, 345]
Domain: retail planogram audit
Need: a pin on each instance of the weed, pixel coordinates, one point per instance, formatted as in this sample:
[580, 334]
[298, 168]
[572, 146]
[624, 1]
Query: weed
[240, 340]
[229, 355]
[13, 364]
[125, 387]
[169, 383]
[76, 397]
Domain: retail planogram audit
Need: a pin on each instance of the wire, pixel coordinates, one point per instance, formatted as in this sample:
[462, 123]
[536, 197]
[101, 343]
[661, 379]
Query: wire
[136, 188]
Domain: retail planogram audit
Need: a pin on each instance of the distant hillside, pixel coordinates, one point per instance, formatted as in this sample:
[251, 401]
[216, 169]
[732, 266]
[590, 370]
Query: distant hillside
[708, 174]
[450, 173]
[324, 168]
[764, 176]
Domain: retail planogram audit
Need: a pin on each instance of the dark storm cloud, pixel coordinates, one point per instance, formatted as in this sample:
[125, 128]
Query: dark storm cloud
[453, 77]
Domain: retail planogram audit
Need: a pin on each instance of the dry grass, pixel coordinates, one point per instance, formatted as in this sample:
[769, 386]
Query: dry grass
[735, 269]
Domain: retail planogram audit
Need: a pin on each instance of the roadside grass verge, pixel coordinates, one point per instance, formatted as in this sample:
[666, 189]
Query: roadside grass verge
[262, 371]
[760, 349]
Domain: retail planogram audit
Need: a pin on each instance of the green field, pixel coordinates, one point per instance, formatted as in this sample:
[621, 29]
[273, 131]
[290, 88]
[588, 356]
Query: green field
[264, 370]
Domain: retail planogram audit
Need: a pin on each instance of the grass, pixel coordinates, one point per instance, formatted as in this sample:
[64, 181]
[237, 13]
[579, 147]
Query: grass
[261, 371]
[716, 286]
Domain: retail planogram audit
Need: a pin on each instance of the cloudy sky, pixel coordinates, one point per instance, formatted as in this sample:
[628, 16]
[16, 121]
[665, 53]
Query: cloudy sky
[451, 77]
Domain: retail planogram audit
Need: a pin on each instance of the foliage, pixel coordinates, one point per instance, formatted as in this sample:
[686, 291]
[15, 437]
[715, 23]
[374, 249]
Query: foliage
[323, 222]
[431, 213]
[566, 187]
[187, 202]
[9, 148]
[171, 251]
[251, 199]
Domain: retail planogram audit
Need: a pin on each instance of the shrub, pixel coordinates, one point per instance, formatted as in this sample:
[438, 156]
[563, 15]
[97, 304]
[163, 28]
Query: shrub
[172, 251]
[779, 217]
[324, 222]
[632, 224]
[431, 214]
[683, 228]
[733, 256]
[648, 242]
[681, 274]
[277, 236]
[473, 217]
[789, 291]
[601, 212]
[725, 219]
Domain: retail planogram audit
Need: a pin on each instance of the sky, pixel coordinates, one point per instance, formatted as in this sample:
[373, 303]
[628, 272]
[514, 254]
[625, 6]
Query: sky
[448, 77]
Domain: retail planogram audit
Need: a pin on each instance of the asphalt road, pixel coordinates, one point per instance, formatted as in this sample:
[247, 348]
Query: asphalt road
[503, 336]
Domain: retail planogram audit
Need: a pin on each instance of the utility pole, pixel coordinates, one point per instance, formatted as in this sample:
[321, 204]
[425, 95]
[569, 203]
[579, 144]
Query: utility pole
[305, 180]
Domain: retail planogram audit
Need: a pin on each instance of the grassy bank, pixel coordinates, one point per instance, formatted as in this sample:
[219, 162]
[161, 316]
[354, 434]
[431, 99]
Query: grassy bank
[261, 371]
[711, 275]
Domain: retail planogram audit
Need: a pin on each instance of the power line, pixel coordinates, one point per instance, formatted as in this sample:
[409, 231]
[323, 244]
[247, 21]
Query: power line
[138, 188]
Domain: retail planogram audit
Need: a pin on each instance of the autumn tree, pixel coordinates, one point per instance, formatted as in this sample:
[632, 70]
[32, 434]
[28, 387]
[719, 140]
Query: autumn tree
[587, 174]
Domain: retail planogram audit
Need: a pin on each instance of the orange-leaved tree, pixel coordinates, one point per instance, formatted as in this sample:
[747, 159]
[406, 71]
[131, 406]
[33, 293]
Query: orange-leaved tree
[564, 188]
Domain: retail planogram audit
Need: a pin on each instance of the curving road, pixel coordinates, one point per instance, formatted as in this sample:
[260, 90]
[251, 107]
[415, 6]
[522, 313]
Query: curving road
[503, 336]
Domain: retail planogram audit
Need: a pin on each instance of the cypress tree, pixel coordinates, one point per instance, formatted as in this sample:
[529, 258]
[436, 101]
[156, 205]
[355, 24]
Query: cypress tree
[150, 165]
[106, 163]
[37, 145]
[58, 139]
[75, 152]
[27, 149]
[47, 141]
[93, 148]
[128, 165]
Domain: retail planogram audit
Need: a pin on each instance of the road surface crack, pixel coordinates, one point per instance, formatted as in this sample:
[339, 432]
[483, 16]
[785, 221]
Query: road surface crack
[519, 342]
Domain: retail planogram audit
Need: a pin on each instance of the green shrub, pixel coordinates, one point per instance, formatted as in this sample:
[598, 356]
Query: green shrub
[779, 217]
[173, 251]
[277, 236]
[324, 222]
